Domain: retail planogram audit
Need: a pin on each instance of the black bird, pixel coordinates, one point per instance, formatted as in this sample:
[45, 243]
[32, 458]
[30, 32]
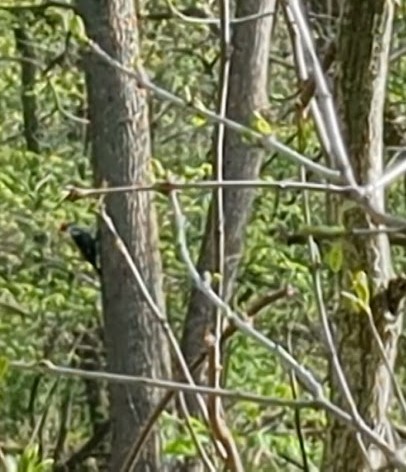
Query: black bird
[87, 244]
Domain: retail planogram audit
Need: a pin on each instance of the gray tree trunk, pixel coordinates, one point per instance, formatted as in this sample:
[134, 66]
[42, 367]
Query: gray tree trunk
[135, 342]
[247, 93]
[362, 59]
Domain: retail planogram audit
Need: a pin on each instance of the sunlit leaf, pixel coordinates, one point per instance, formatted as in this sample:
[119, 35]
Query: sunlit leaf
[335, 257]
[4, 365]
[361, 287]
[259, 123]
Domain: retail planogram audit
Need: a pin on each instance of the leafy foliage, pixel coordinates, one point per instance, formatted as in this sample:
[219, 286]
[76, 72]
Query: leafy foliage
[49, 298]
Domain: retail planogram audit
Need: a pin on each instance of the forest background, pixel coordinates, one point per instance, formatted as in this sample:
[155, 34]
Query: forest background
[261, 141]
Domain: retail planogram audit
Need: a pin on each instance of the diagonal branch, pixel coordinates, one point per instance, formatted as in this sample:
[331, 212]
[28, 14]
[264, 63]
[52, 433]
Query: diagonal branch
[288, 362]
[323, 96]
[253, 309]
[130, 460]
[257, 138]
[358, 193]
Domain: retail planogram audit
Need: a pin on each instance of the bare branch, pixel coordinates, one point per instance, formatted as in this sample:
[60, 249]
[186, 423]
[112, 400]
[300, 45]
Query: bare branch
[201, 16]
[254, 308]
[390, 175]
[327, 334]
[267, 141]
[186, 415]
[323, 96]
[130, 459]
[381, 347]
[397, 236]
[86, 450]
[76, 193]
[297, 418]
[308, 81]
[305, 377]
[214, 404]
[47, 367]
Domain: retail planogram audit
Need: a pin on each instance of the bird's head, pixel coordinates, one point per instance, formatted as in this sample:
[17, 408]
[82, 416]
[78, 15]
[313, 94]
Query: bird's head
[73, 230]
[65, 227]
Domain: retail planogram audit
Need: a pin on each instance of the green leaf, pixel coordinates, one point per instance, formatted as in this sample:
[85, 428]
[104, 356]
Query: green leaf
[4, 364]
[334, 257]
[77, 28]
[353, 302]
[259, 123]
[361, 287]
[360, 298]
[199, 120]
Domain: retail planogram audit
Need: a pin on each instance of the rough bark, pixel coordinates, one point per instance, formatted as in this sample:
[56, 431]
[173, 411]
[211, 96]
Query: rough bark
[247, 93]
[362, 58]
[28, 97]
[135, 343]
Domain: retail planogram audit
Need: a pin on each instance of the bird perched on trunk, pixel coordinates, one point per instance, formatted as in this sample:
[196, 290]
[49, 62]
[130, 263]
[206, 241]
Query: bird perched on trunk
[87, 244]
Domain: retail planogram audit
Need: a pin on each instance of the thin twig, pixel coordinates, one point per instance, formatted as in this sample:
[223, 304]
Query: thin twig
[260, 139]
[309, 85]
[214, 404]
[64, 423]
[323, 95]
[257, 305]
[288, 362]
[390, 175]
[304, 375]
[86, 449]
[67, 114]
[328, 336]
[76, 193]
[129, 461]
[267, 141]
[296, 413]
[253, 309]
[186, 415]
[381, 347]
[47, 367]
[204, 20]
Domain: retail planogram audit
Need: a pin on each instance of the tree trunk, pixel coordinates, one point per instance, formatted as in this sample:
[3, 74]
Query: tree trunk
[362, 58]
[28, 95]
[135, 343]
[247, 93]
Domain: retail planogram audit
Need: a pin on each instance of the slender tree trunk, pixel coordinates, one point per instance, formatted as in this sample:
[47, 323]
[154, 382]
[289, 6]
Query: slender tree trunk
[362, 59]
[135, 343]
[247, 93]
[28, 97]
